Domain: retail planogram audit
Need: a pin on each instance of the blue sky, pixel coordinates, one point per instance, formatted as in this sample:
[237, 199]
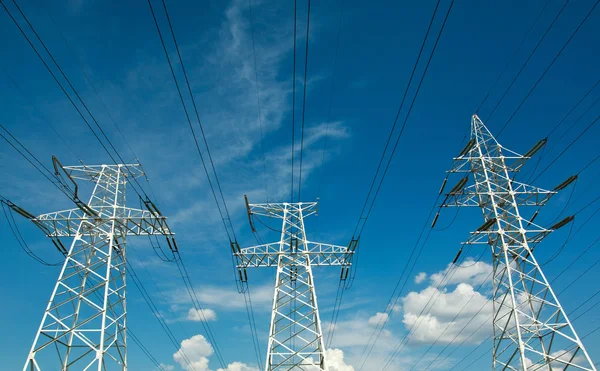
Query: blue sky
[117, 45]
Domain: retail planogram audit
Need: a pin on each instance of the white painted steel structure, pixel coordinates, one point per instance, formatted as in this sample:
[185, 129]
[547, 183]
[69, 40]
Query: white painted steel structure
[295, 336]
[531, 330]
[84, 325]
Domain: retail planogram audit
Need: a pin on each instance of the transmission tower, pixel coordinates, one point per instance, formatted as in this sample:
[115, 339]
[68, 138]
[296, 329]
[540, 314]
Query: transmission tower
[295, 335]
[84, 325]
[531, 329]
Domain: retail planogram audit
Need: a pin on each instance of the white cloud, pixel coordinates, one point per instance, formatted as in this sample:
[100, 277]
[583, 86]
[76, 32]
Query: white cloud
[335, 361]
[167, 367]
[201, 315]
[453, 316]
[561, 357]
[378, 319]
[194, 353]
[227, 298]
[419, 278]
[238, 366]
[469, 271]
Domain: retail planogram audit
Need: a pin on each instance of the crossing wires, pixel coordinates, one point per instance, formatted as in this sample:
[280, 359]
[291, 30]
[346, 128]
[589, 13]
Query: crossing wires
[370, 201]
[210, 172]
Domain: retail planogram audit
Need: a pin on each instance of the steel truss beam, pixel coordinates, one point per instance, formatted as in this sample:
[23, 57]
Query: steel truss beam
[84, 325]
[531, 329]
[295, 335]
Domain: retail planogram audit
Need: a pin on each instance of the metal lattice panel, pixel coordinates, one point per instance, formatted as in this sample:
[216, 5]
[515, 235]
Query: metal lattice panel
[295, 336]
[531, 330]
[84, 324]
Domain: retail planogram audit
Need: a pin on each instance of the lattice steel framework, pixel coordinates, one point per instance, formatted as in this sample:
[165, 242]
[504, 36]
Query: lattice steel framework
[84, 325]
[295, 336]
[531, 330]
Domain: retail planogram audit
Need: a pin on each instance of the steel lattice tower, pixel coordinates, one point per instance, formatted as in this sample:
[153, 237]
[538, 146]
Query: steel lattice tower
[295, 336]
[84, 325]
[531, 329]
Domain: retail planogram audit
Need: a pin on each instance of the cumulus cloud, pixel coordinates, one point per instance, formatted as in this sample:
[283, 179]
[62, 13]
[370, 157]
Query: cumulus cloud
[238, 366]
[561, 359]
[201, 315]
[335, 361]
[421, 277]
[462, 314]
[378, 319]
[470, 271]
[194, 352]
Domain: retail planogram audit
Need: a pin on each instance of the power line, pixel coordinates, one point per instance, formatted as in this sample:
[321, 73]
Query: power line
[367, 350]
[294, 102]
[71, 87]
[528, 59]
[87, 77]
[447, 277]
[145, 350]
[511, 58]
[43, 116]
[32, 159]
[258, 102]
[187, 82]
[304, 102]
[199, 309]
[12, 223]
[567, 147]
[230, 234]
[548, 68]
[331, 91]
[164, 325]
[405, 119]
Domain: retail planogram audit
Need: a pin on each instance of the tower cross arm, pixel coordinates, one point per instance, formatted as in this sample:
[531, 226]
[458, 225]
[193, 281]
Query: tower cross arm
[524, 195]
[135, 222]
[317, 253]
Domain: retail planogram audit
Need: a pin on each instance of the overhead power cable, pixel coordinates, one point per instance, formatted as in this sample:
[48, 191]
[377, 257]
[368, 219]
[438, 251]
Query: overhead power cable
[145, 350]
[114, 152]
[357, 230]
[199, 309]
[294, 102]
[304, 103]
[14, 228]
[430, 303]
[465, 326]
[164, 325]
[511, 59]
[379, 328]
[548, 68]
[258, 102]
[331, 93]
[528, 59]
[87, 77]
[223, 210]
[567, 148]
[42, 115]
[31, 158]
